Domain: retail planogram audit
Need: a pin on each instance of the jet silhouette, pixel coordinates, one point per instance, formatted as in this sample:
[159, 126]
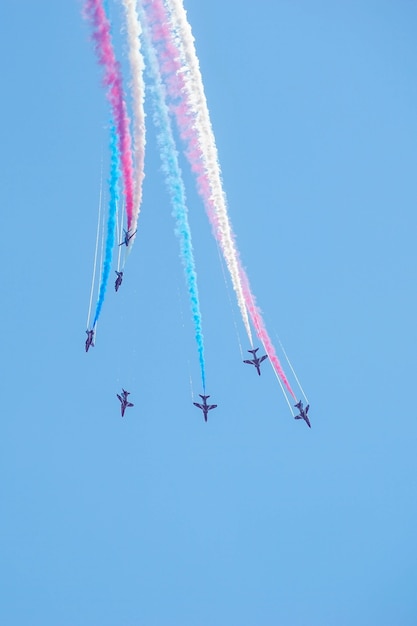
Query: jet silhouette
[124, 401]
[127, 237]
[256, 361]
[90, 339]
[118, 279]
[205, 407]
[303, 413]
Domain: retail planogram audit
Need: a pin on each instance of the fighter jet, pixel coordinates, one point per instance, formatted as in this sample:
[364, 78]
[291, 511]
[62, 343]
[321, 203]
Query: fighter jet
[124, 401]
[303, 413]
[205, 407]
[256, 361]
[118, 280]
[127, 237]
[89, 341]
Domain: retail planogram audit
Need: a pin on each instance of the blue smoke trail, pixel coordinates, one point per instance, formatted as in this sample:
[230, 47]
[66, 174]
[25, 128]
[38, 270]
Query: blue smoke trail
[111, 222]
[173, 178]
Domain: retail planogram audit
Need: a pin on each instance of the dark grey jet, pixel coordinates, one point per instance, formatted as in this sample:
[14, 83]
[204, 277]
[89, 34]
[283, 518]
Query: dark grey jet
[118, 280]
[127, 237]
[205, 407]
[90, 339]
[124, 401]
[256, 361]
[303, 413]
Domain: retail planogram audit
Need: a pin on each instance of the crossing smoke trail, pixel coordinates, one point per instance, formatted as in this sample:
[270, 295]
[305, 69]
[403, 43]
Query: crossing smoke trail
[172, 171]
[94, 12]
[111, 222]
[195, 129]
[138, 93]
[178, 60]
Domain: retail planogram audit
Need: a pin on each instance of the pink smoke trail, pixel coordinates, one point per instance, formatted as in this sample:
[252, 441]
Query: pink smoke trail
[195, 129]
[95, 13]
[179, 65]
[262, 333]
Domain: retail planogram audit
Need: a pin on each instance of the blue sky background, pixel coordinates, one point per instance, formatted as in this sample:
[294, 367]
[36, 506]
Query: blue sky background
[251, 519]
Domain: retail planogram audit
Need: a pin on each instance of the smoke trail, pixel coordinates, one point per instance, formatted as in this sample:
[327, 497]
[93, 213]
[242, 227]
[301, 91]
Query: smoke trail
[183, 78]
[111, 222]
[172, 171]
[179, 62]
[257, 320]
[94, 12]
[138, 92]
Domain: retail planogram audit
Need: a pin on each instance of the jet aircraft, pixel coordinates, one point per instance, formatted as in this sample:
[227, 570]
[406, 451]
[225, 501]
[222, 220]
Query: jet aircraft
[205, 407]
[127, 237]
[303, 413]
[124, 401]
[90, 339]
[256, 361]
[118, 280]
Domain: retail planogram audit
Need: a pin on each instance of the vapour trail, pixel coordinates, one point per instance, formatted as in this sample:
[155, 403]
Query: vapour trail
[100, 25]
[173, 178]
[96, 249]
[179, 66]
[111, 222]
[293, 370]
[137, 67]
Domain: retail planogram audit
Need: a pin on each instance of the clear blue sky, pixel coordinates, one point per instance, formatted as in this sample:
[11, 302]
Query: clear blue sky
[251, 519]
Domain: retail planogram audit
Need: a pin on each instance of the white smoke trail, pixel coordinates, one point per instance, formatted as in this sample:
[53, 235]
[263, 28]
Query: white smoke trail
[137, 66]
[194, 91]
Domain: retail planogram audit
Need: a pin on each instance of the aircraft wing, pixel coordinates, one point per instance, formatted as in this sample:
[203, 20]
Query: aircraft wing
[249, 362]
[119, 397]
[211, 406]
[130, 404]
[200, 406]
[265, 356]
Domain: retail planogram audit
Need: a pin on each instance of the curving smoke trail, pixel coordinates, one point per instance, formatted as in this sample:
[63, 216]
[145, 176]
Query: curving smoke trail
[95, 13]
[182, 76]
[137, 67]
[173, 177]
[174, 42]
[111, 222]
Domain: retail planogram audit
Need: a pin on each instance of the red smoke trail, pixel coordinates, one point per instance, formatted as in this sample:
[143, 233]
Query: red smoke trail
[95, 13]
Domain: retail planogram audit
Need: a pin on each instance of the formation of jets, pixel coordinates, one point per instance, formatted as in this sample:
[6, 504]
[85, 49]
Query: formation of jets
[205, 408]
[127, 237]
[124, 402]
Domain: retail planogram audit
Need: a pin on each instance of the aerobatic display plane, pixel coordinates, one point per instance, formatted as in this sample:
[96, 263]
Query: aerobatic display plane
[90, 339]
[256, 361]
[205, 407]
[127, 237]
[303, 413]
[178, 93]
[124, 402]
[118, 280]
